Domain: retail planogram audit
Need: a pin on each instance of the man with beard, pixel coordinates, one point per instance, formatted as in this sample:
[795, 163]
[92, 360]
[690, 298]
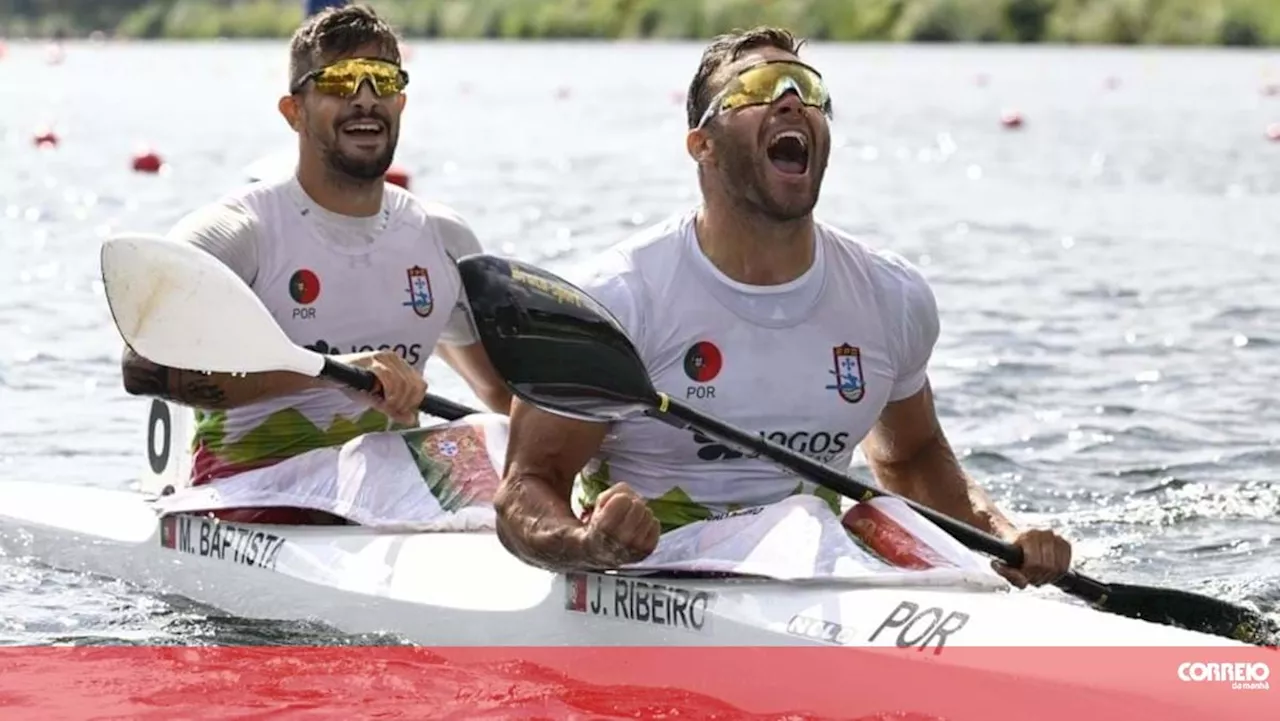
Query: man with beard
[347, 264]
[751, 310]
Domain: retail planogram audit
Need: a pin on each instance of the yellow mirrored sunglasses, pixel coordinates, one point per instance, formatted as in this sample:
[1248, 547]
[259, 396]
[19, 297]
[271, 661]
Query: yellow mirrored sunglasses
[344, 77]
[764, 83]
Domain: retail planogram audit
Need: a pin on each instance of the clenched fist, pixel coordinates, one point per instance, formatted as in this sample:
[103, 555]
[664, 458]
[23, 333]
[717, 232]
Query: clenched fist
[622, 529]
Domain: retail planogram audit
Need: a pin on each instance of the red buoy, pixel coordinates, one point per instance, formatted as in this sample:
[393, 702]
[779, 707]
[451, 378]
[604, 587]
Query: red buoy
[397, 175]
[1273, 132]
[1011, 119]
[147, 161]
[45, 138]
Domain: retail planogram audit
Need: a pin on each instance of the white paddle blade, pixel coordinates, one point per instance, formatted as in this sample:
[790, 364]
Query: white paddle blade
[178, 306]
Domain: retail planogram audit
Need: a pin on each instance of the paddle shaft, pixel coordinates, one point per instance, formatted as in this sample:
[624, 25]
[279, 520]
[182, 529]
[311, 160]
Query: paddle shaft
[363, 380]
[679, 414]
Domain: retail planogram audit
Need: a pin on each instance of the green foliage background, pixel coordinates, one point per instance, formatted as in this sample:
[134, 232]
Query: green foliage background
[1163, 22]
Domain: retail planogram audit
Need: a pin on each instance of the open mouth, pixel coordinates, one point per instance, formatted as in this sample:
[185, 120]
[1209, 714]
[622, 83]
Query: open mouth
[363, 128]
[789, 152]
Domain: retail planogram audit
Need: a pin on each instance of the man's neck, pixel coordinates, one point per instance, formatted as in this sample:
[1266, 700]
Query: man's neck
[336, 193]
[754, 250]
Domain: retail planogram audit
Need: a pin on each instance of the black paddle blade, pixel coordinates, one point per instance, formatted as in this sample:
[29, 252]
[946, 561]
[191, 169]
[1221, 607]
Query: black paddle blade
[1190, 611]
[553, 344]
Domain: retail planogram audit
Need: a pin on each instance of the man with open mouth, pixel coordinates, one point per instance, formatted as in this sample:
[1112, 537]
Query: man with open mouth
[750, 309]
[347, 263]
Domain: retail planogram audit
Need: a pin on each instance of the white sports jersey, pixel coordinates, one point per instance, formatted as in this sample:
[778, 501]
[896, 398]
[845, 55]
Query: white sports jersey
[335, 284]
[809, 364]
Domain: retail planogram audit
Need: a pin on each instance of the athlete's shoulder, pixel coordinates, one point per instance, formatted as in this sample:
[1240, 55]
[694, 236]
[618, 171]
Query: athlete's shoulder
[626, 276]
[888, 269]
[437, 219]
[455, 232]
[907, 306]
[664, 236]
[651, 251]
[442, 215]
[249, 195]
[240, 208]
[229, 214]
[227, 228]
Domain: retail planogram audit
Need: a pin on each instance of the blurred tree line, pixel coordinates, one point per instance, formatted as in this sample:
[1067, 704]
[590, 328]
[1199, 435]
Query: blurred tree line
[1164, 22]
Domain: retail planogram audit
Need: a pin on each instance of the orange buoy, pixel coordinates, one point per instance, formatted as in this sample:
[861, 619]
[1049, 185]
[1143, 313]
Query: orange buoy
[397, 175]
[45, 138]
[147, 161]
[1011, 119]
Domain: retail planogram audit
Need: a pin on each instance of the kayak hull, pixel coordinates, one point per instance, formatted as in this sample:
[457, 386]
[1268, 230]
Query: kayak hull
[462, 589]
[475, 605]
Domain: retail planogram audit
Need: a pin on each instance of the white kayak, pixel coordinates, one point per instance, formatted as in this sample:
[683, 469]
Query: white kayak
[464, 588]
[458, 592]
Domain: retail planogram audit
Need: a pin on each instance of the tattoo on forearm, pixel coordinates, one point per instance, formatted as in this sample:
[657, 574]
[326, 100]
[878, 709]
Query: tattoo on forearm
[144, 378]
[203, 390]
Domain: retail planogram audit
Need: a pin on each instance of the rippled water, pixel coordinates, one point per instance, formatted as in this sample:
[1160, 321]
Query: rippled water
[1107, 275]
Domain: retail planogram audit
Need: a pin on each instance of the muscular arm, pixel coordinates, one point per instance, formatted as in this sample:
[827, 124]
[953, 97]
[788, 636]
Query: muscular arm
[472, 363]
[907, 450]
[209, 391]
[535, 515]
[909, 455]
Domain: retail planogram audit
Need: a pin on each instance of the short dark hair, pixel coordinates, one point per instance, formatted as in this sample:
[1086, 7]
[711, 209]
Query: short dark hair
[335, 31]
[723, 50]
